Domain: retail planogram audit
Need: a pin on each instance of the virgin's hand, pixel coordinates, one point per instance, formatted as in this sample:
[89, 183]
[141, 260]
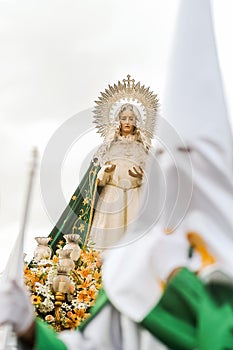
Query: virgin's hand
[136, 171]
[15, 307]
[110, 168]
[107, 168]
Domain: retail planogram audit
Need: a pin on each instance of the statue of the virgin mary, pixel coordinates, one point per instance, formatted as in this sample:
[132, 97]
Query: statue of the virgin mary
[108, 197]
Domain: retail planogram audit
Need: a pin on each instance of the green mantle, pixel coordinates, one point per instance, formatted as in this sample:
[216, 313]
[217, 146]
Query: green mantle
[77, 216]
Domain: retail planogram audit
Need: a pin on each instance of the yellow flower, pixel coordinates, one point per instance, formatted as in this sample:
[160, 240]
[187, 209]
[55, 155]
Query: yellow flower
[72, 321]
[27, 271]
[83, 297]
[84, 272]
[35, 299]
[91, 293]
[70, 324]
[80, 313]
[98, 286]
[97, 275]
[87, 258]
[85, 284]
[74, 197]
[96, 254]
[55, 259]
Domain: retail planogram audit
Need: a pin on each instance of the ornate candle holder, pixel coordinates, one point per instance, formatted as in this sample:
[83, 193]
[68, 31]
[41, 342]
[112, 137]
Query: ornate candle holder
[65, 259]
[72, 242]
[42, 251]
[61, 285]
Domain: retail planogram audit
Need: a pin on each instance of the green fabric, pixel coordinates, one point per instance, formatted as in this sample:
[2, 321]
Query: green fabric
[215, 326]
[100, 302]
[221, 293]
[173, 320]
[76, 216]
[188, 316]
[46, 338]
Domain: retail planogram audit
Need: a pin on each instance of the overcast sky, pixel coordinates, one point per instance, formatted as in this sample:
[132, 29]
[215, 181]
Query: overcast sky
[55, 57]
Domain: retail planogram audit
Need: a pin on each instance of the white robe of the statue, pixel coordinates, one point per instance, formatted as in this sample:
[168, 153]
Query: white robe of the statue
[119, 201]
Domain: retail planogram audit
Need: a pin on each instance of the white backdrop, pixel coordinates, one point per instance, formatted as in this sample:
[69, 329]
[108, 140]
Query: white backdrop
[55, 57]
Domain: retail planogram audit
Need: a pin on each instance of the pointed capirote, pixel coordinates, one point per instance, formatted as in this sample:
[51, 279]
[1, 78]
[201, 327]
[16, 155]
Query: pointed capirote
[195, 119]
[194, 100]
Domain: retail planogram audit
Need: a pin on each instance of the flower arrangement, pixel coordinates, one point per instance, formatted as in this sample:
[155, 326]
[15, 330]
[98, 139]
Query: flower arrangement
[64, 309]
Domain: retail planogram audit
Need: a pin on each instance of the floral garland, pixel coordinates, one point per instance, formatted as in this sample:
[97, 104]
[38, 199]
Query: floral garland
[85, 282]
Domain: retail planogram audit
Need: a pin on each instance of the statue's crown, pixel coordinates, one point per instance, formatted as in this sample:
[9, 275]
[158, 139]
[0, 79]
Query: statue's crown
[129, 83]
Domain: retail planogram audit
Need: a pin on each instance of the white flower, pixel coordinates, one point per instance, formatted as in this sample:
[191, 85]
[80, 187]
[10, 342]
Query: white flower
[81, 306]
[66, 306]
[78, 305]
[74, 302]
[42, 289]
[46, 306]
[51, 274]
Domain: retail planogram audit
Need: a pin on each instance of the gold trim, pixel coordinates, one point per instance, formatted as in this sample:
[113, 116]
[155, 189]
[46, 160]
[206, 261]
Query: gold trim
[123, 188]
[91, 213]
[125, 209]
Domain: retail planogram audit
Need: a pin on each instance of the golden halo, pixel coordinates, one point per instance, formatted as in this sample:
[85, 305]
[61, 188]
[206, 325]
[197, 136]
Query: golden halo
[126, 92]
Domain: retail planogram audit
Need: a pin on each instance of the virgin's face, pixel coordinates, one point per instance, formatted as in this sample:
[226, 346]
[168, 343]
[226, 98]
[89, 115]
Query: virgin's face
[128, 122]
